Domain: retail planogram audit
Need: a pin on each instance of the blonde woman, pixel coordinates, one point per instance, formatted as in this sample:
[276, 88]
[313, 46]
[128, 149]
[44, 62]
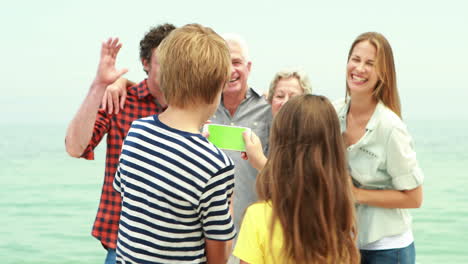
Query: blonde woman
[381, 157]
[286, 84]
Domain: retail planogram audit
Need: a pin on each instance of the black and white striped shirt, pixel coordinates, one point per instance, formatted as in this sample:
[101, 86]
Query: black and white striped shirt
[175, 189]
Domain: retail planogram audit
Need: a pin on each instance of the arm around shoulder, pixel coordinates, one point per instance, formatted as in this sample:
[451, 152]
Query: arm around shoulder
[115, 95]
[80, 130]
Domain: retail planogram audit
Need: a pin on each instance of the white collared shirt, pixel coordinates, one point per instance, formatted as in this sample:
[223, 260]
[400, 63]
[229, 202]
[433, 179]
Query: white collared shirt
[384, 158]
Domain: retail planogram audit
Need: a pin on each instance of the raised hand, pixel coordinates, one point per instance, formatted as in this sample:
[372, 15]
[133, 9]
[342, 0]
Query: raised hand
[107, 73]
[81, 128]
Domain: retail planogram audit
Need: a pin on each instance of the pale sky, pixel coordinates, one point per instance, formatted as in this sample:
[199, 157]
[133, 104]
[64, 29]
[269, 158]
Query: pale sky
[49, 49]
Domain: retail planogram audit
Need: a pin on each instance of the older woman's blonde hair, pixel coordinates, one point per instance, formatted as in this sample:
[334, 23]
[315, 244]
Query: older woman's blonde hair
[386, 88]
[300, 75]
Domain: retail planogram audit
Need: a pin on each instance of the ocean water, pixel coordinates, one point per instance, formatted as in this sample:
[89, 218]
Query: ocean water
[48, 200]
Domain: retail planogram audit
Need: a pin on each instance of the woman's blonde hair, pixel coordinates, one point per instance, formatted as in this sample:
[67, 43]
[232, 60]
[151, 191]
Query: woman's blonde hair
[386, 88]
[301, 76]
[307, 182]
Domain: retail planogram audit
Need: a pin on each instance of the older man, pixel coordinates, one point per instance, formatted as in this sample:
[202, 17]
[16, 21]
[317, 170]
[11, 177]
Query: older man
[244, 106]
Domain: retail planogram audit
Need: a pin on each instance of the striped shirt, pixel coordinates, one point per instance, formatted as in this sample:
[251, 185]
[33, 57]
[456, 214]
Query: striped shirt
[175, 189]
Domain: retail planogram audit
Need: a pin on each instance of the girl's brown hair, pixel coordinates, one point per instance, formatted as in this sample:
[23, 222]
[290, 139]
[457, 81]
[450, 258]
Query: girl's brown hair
[307, 182]
[386, 88]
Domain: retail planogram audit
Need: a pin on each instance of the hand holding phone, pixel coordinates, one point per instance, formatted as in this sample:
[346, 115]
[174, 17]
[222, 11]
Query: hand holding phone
[254, 151]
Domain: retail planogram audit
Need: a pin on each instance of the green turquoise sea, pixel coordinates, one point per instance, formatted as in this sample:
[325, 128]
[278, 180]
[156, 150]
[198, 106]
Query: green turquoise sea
[48, 200]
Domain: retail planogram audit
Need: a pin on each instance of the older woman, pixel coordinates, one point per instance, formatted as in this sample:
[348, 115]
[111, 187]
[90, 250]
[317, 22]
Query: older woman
[285, 85]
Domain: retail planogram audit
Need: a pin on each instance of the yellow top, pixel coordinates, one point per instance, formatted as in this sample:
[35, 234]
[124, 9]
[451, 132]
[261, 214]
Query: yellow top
[253, 243]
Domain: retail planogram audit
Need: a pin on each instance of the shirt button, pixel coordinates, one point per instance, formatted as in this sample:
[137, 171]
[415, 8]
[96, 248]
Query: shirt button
[214, 116]
[255, 123]
[232, 123]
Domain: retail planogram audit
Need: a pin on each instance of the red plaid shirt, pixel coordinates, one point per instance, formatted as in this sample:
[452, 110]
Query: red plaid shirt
[139, 103]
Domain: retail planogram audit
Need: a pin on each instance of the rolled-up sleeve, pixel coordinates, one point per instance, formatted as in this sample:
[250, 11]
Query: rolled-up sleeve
[402, 164]
[101, 127]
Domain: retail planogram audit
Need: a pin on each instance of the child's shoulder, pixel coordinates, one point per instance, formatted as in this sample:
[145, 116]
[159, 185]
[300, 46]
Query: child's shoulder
[260, 212]
[146, 119]
[260, 207]
[222, 159]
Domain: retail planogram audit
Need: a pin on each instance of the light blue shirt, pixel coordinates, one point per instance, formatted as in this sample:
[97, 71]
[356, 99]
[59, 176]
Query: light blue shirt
[384, 158]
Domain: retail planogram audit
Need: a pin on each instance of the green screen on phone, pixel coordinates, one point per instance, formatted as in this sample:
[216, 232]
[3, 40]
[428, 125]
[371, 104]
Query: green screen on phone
[227, 137]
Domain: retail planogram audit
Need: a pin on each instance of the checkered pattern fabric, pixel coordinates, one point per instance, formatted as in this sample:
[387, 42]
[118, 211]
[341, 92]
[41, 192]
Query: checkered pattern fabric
[139, 103]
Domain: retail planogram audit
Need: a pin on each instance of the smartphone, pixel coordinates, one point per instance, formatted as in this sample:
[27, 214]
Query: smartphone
[226, 137]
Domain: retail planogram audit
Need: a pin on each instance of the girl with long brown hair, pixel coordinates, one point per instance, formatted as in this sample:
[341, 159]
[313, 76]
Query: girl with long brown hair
[306, 210]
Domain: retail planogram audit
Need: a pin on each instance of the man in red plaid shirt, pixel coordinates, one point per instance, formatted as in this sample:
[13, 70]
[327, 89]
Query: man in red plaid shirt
[90, 124]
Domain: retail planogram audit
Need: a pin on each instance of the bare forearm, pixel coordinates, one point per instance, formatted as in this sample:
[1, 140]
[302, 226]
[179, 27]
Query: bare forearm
[80, 130]
[217, 251]
[390, 198]
[259, 162]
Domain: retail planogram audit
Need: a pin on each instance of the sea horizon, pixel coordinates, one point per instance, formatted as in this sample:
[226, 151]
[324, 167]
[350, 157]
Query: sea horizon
[50, 199]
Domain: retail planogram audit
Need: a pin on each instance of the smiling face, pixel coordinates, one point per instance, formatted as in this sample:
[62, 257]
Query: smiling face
[285, 89]
[361, 73]
[239, 71]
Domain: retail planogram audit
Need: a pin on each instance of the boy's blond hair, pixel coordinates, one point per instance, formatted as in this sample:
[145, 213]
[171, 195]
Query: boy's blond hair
[194, 65]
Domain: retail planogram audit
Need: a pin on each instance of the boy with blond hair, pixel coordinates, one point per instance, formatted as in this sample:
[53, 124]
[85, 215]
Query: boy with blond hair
[175, 185]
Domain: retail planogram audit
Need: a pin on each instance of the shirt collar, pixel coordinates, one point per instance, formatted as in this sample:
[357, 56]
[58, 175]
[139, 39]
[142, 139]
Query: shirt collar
[373, 121]
[344, 111]
[375, 118]
[142, 90]
[252, 92]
